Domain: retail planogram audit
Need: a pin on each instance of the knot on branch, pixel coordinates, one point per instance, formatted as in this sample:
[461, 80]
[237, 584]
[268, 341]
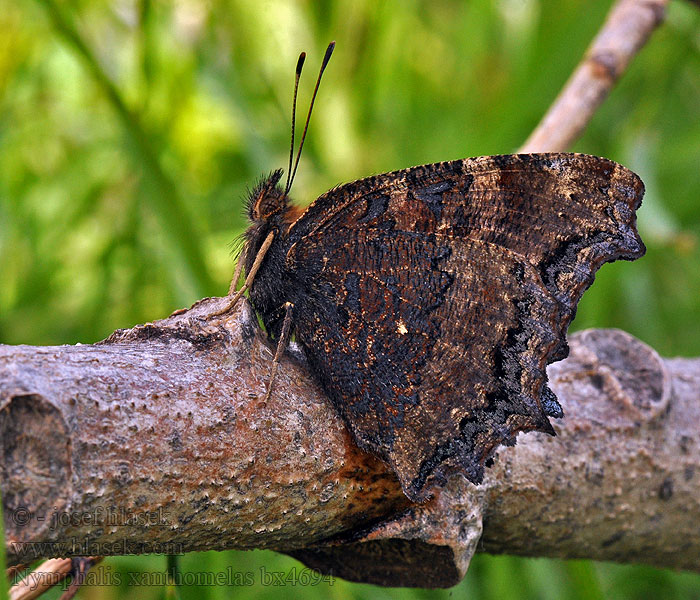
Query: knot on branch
[35, 465]
[613, 364]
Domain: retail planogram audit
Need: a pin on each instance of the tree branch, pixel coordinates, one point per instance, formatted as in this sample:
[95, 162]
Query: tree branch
[159, 440]
[626, 30]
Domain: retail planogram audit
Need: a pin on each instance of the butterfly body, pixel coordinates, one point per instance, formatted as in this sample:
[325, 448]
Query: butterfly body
[430, 300]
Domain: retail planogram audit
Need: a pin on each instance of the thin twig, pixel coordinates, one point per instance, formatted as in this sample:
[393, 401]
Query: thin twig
[626, 30]
[13, 571]
[51, 573]
[42, 579]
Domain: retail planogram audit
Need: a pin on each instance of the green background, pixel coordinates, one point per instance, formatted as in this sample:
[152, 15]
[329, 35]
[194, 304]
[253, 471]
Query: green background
[130, 131]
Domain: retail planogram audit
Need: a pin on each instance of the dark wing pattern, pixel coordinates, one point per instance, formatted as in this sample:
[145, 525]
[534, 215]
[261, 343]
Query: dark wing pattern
[434, 297]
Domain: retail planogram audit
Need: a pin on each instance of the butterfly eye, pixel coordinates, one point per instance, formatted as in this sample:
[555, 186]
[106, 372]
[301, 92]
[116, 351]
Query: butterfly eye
[267, 204]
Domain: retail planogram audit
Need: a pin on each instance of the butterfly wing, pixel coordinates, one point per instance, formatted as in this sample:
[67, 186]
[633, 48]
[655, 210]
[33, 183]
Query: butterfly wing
[430, 300]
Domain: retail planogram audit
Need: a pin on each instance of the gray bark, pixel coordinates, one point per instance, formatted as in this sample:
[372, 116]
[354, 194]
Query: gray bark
[159, 440]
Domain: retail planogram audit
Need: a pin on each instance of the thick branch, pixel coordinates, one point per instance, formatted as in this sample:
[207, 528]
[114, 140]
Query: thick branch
[159, 440]
[626, 30]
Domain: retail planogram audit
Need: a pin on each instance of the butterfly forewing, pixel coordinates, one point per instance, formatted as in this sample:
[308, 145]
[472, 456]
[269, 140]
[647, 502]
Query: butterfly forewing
[430, 300]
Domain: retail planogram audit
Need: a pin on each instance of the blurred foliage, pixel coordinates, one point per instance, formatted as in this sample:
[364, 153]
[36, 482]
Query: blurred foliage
[130, 130]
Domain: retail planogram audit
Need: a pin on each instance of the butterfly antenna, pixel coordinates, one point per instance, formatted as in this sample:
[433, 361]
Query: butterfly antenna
[326, 58]
[300, 64]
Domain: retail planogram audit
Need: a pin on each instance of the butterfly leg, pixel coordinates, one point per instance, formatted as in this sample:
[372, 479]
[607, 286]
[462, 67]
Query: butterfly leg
[248, 280]
[236, 275]
[281, 345]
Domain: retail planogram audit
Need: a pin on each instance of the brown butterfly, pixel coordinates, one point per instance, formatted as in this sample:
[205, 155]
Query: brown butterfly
[430, 300]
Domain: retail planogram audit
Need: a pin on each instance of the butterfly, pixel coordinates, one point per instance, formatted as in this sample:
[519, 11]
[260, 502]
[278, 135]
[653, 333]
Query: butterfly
[429, 301]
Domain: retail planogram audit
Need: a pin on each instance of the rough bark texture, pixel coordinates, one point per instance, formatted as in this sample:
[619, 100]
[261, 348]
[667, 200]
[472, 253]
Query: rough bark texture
[168, 420]
[158, 439]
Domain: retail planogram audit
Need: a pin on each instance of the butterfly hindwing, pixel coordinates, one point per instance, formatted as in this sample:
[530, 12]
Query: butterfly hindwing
[430, 300]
